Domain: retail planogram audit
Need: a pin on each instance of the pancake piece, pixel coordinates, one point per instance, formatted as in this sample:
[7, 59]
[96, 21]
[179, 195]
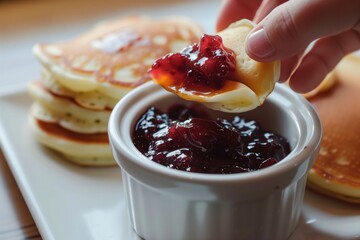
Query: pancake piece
[114, 56]
[336, 171]
[258, 76]
[218, 72]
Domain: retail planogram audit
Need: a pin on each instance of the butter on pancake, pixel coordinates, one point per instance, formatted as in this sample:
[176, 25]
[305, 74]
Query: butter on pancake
[244, 88]
[114, 56]
[336, 171]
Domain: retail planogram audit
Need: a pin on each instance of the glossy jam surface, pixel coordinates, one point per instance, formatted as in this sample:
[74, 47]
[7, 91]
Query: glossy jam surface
[201, 67]
[185, 138]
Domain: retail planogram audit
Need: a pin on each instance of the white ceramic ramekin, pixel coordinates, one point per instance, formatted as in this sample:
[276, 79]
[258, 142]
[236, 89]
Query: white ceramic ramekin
[169, 204]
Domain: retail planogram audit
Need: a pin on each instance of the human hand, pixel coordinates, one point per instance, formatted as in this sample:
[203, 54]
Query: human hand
[286, 28]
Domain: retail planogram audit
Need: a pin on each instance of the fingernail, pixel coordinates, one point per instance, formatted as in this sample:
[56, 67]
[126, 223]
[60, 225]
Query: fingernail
[259, 44]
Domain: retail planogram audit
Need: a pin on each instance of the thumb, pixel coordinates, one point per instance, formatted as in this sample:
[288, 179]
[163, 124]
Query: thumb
[290, 27]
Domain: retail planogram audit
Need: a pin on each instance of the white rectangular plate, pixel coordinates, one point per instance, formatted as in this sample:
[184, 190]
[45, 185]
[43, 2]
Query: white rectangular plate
[71, 202]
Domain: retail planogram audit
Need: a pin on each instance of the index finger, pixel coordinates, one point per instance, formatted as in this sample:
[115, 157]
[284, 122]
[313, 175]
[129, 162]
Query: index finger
[233, 10]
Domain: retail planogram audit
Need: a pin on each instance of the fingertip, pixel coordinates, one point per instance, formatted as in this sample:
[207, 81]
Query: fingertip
[221, 23]
[284, 74]
[298, 86]
[233, 10]
[306, 78]
[288, 66]
[282, 80]
[226, 15]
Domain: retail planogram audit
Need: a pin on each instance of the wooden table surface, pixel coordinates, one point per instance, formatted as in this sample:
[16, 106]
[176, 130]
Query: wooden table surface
[23, 23]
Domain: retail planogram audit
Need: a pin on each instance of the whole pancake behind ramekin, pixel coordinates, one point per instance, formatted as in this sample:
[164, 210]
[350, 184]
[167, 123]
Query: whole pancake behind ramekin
[336, 171]
[115, 55]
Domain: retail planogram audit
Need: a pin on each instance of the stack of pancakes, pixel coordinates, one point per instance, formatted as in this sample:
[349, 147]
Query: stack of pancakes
[85, 77]
[336, 171]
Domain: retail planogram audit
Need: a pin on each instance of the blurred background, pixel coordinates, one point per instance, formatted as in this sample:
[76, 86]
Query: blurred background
[24, 15]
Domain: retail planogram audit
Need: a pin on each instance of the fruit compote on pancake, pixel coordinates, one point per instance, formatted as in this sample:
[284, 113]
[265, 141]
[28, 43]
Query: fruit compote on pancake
[185, 138]
[201, 68]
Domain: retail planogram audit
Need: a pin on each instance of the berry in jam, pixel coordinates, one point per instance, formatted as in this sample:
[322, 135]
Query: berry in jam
[201, 68]
[185, 138]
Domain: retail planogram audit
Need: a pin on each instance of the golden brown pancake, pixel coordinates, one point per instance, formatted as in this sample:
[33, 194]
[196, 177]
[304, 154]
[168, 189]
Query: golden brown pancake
[336, 171]
[83, 149]
[114, 56]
